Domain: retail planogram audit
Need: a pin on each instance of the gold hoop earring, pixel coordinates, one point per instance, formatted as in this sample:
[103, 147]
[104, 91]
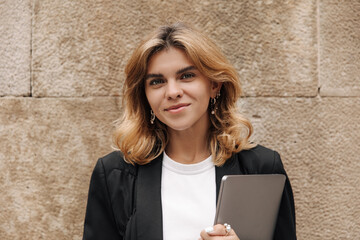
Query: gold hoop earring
[152, 117]
[213, 103]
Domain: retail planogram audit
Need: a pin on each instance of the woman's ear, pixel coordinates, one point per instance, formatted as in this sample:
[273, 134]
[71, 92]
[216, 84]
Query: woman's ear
[215, 88]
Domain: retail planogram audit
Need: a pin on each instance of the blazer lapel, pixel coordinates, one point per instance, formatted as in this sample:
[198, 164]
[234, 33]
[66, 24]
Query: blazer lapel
[231, 167]
[148, 201]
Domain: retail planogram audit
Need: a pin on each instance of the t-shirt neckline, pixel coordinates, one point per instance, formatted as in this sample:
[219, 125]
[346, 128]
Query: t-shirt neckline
[187, 169]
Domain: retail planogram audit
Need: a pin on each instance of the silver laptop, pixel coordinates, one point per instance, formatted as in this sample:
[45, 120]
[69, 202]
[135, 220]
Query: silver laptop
[250, 204]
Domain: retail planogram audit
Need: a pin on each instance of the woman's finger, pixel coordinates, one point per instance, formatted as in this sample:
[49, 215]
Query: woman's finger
[218, 230]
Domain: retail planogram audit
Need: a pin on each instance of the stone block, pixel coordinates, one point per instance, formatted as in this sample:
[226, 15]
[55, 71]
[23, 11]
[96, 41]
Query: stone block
[15, 40]
[80, 48]
[272, 44]
[48, 150]
[316, 138]
[339, 48]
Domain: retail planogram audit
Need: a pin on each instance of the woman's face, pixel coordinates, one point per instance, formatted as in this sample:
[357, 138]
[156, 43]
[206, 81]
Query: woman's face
[176, 91]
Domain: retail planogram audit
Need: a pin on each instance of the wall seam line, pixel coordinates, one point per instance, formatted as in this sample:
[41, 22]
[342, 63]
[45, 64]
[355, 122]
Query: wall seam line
[318, 45]
[31, 47]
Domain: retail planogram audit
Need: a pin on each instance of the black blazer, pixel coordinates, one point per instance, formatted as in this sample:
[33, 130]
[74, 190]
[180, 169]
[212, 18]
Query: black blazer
[124, 201]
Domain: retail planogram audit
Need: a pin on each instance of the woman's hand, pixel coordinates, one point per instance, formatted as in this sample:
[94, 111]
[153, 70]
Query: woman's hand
[218, 232]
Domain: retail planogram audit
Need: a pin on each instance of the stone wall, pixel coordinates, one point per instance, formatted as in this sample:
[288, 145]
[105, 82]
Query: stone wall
[61, 72]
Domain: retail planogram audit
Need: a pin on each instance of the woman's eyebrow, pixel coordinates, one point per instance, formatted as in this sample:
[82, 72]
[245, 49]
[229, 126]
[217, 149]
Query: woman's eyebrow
[153, 75]
[185, 69]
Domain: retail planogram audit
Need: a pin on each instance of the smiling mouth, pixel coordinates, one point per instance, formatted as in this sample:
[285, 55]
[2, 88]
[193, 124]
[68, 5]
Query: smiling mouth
[177, 107]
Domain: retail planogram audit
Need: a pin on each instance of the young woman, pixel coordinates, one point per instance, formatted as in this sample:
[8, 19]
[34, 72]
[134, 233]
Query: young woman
[179, 134]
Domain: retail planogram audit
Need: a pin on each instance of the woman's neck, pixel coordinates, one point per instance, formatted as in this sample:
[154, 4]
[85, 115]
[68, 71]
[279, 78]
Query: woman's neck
[189, 146]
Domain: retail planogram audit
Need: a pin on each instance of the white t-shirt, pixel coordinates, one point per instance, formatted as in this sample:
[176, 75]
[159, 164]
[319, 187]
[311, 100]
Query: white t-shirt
[188, 195]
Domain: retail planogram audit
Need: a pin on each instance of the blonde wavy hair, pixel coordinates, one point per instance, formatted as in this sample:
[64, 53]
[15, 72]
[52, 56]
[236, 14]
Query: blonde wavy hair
[141, 142]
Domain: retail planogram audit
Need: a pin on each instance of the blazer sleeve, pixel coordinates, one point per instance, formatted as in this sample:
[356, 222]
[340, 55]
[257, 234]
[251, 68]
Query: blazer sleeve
[99, 218]
[285, 227]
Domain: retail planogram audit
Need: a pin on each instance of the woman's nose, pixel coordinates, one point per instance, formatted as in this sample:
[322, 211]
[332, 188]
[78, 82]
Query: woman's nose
[173, 90]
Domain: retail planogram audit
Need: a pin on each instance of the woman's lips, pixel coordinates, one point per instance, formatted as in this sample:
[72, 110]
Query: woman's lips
[176, 108]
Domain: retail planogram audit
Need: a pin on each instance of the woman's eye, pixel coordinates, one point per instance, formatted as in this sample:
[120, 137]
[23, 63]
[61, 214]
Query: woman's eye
[156, 82]
[187, 75]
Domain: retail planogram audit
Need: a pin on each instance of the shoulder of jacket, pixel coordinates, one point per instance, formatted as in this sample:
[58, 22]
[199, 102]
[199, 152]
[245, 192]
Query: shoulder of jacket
[259, 159]
[115, 161]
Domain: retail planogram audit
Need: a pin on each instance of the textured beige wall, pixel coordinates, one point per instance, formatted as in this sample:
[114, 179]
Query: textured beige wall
[15, 37]
[61, 71]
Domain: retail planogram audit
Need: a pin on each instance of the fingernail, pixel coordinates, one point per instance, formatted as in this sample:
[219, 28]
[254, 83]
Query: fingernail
[209, 229]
